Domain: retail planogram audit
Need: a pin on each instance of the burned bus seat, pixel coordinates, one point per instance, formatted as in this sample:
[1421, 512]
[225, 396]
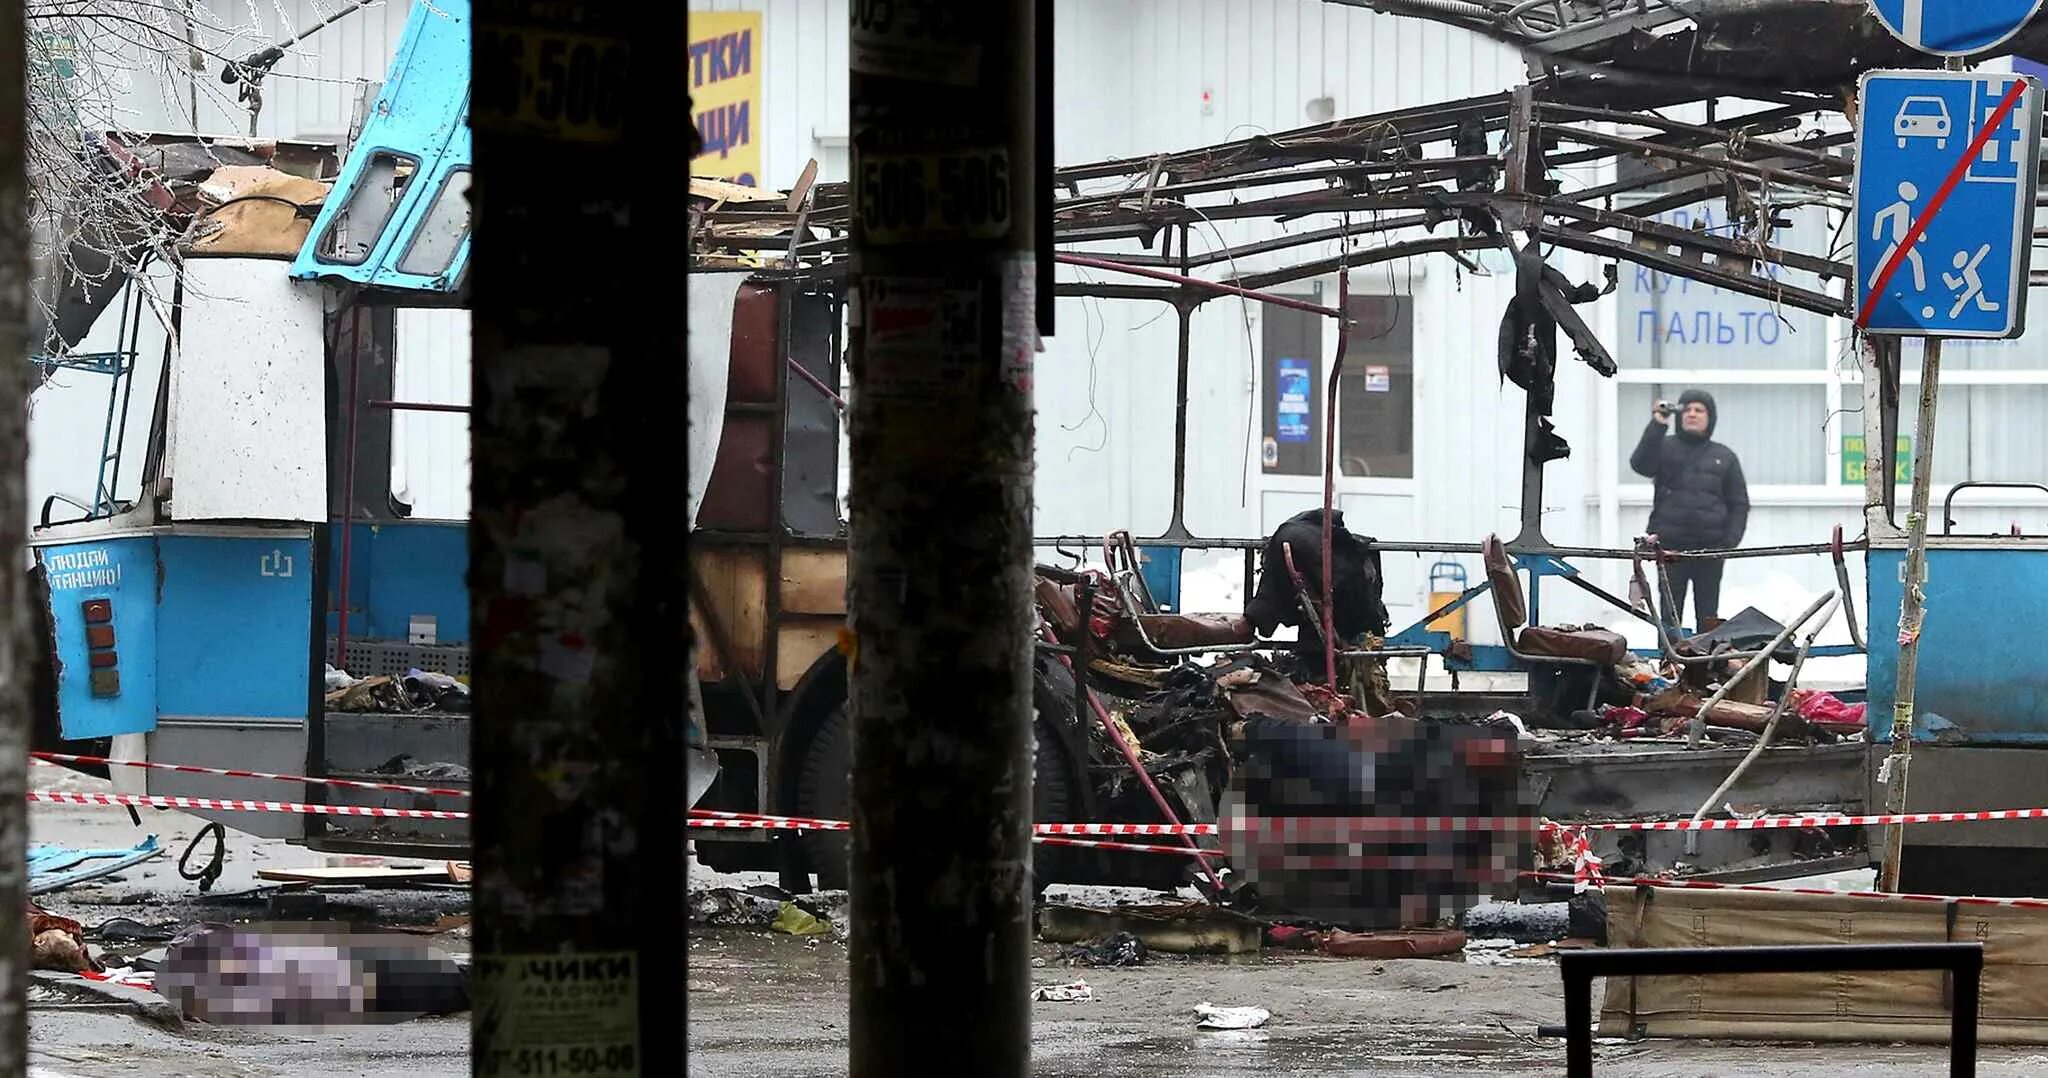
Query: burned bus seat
[1589, 647]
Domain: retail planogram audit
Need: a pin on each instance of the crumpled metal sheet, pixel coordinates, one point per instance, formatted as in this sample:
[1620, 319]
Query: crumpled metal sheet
[52, 867]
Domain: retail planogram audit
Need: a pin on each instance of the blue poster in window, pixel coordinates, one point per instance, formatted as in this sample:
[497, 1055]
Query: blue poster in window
[1291, 401]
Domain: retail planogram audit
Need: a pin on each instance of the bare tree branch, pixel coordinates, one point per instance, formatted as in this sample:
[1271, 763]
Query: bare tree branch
[91, 65]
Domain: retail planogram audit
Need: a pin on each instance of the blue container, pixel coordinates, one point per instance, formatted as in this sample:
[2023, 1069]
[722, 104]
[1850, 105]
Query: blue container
[1160, 566]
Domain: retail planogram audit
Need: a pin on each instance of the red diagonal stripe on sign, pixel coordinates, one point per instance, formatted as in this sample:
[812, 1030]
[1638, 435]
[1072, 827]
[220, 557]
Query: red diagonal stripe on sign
[1948, 186]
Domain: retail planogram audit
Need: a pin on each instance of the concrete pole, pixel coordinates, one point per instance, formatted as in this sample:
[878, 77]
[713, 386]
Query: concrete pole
[943, 335]
[14, 656]
[578, 566]
[1911, 611]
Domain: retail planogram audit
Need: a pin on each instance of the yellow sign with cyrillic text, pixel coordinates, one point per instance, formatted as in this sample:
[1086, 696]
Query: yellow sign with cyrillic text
[725, 94]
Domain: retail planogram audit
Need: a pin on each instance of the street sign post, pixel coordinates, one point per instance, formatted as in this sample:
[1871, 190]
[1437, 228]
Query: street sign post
[1946, 171]
[1954, 27]
[1946, 165]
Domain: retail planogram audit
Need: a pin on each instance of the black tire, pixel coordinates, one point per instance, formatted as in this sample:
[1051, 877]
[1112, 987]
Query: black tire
[825, 791]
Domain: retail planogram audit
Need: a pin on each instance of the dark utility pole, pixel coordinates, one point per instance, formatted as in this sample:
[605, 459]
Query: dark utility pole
[577, 570]
[15, 662]
[943, 334]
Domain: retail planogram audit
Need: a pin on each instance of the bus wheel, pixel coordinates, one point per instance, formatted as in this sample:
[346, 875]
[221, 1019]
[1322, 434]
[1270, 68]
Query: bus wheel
[825, 791]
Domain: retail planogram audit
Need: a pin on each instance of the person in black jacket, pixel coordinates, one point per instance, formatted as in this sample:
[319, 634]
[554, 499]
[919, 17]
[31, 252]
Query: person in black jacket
[1702, 502]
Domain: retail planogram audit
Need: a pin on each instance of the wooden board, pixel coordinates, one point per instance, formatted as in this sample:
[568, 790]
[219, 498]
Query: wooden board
[814, 581]
[355, 874]
[800, 643]
[734, 582]
[1877, 1007]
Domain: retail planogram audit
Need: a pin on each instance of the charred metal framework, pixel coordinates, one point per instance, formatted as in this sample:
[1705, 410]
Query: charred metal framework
[1477, 174]
[1450, 179]
[1685, 42]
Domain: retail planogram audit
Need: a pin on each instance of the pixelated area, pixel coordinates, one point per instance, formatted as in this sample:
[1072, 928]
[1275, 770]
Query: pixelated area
[1391, 824]
[308, 976]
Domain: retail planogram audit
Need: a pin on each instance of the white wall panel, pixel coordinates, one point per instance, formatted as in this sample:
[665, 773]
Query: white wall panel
[430, 450]
[248, 395]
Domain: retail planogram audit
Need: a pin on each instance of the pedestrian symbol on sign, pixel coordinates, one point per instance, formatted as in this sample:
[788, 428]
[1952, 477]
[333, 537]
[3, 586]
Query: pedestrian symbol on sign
[1897, 219]
[1972, 286]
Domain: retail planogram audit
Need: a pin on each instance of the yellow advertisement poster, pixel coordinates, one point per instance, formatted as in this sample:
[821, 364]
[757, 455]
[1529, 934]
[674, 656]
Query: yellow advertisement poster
[725, 94]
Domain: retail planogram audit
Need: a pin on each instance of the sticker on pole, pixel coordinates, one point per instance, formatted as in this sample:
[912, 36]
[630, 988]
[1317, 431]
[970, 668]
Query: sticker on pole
[1945, 178]
[557, 1014]
[1954, 27]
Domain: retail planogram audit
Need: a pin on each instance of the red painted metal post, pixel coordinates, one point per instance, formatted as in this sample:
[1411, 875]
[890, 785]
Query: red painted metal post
[348, 483]
[1330, 478]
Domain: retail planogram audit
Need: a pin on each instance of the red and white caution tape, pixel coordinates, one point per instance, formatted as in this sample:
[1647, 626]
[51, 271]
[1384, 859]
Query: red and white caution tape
[719, 820]
[1774, 822]
[761, 821]
[1337, 828]
[1126, 847]
[1309, 828]
[1709, 885]
[1312, 828]
[65, 797]
[1132, 829]
[236, 773]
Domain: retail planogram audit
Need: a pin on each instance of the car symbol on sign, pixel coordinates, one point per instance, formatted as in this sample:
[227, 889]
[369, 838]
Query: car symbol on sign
[1922, 117]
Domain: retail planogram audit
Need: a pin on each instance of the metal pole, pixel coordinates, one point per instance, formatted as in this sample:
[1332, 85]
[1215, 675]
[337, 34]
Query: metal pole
[1912, 614]
[15, 668]
[578, 564]
[1177, 524]
[939, 580]
[1763, 741]
[1578, 1023]
[1329, 599]
[348, 485]
[1698, 729]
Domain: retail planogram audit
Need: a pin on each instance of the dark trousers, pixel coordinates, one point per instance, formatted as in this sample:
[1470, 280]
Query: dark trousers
[1704, 578]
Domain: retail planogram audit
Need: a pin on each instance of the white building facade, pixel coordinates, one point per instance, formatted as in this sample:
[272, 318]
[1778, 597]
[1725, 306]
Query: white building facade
[1430, 439]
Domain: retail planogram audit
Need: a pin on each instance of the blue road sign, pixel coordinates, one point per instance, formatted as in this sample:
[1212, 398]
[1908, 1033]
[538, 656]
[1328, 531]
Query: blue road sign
[1954, 27]
[1945, 202]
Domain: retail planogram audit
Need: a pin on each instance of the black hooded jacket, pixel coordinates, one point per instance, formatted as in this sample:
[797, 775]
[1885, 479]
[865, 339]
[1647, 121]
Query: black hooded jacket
[1702, 502]
[1360, 605]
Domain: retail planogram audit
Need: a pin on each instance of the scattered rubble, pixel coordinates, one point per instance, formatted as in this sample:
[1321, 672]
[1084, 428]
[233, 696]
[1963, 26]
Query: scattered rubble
[1412, 943]
[793, 920]
[1071, 992]
[1117, 949]
[755, 907]
[1210, 1016]
[1183, 928]
[416, 691]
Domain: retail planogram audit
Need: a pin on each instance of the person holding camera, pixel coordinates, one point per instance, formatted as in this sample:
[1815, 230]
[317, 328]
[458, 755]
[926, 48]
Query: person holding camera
[1701, 502]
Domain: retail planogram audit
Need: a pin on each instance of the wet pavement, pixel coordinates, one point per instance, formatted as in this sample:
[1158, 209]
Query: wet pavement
[765, 1005]
[72, 1036]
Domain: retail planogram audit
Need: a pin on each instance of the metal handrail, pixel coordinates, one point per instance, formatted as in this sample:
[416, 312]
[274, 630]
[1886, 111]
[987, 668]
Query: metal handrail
[67, 499]
[1948, 519]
